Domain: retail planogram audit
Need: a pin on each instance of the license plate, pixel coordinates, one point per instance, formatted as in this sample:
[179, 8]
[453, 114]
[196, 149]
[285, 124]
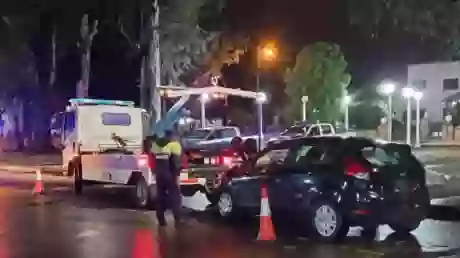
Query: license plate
[196, 156]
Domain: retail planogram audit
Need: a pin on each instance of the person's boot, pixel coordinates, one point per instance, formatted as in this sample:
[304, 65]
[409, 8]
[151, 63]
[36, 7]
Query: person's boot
[161, 220]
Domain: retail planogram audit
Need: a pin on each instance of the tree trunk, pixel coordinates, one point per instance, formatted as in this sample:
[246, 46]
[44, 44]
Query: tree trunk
[53, 68]
[87, 35]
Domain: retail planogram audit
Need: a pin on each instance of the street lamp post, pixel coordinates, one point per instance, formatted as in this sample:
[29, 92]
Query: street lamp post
[388, 89]
[417, 96]
[304, 100]
[203, 99]
[260, 100]
[266, 52]
[408, 93]
[347, 101]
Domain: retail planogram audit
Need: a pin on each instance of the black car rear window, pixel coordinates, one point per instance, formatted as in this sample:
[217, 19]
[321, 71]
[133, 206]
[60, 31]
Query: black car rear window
[382, 155]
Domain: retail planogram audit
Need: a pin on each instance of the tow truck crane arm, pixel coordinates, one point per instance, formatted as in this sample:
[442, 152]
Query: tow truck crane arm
[176, 112]
[173, 116]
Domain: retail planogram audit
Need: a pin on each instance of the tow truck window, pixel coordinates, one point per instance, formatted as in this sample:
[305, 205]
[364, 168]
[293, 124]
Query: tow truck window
[69, 123]
[120, 119]
[56, 122]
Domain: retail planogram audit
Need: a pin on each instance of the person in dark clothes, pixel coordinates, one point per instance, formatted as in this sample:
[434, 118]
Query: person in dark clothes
[167, 152]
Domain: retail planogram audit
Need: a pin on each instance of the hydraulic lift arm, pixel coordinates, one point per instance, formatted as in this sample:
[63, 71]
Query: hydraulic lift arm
[172, 117]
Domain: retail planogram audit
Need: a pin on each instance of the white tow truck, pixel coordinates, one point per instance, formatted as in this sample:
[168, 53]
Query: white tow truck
[102, 142]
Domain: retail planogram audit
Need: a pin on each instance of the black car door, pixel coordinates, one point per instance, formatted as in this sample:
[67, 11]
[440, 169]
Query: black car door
[285, 181]
[280, 189]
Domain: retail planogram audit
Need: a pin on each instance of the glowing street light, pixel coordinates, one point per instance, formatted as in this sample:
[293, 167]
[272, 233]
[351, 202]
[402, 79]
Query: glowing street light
[261, 98]
[408, 93]
[388, 89]
[267, 52]
[418, 95]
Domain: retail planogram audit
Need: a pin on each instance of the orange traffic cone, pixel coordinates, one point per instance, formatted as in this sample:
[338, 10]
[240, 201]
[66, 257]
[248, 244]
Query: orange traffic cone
[39, 186]
[145, 246]
[266, 231]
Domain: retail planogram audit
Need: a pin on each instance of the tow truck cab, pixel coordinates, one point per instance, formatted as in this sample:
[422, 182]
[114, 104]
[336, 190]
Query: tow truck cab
[101, 142]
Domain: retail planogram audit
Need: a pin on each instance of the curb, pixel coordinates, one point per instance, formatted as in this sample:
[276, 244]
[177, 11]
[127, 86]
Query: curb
[447, 145]
[31, 169]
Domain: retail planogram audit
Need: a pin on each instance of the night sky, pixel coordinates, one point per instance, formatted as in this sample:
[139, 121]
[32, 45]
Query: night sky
[291, 23]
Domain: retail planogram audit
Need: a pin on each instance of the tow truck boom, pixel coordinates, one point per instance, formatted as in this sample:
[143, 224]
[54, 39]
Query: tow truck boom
[173, 116]
[177, 111]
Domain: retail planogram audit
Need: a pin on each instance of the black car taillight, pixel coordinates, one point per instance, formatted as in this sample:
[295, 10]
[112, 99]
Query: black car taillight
[357, 170]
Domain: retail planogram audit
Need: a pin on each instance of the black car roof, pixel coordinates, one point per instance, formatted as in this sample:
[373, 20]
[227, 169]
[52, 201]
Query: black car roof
[329, 140]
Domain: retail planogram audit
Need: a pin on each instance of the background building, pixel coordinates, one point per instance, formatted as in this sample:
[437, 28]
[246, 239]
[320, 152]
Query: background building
[439, 83]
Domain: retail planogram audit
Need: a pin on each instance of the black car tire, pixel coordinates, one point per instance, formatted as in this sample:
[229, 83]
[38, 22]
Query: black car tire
[370, 232]
[319, 227]
[141, 193]
[405, 227]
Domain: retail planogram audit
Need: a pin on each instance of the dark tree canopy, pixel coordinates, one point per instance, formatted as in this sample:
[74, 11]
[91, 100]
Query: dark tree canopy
[436, 20]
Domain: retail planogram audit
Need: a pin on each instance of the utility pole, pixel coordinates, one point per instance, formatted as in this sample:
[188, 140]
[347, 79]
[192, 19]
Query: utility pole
[155, 64]
[143, 96]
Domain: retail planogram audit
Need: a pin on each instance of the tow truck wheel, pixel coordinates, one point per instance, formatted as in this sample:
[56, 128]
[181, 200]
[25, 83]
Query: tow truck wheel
[213, 190]
[226, 207]
[141, 193]
[77, 179]
[70, 171]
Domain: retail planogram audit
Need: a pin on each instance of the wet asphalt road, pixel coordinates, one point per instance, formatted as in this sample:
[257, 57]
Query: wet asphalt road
[102, 224]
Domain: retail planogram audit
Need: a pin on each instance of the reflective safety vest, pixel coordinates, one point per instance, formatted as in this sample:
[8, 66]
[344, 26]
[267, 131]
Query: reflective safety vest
[163, 156]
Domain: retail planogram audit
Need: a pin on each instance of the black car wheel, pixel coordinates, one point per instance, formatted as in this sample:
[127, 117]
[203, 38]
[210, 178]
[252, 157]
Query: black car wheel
[369, 232]
[405, 227]
[141, 193]
[327, 222]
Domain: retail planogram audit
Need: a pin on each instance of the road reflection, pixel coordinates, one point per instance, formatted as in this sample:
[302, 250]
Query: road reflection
[4, 227]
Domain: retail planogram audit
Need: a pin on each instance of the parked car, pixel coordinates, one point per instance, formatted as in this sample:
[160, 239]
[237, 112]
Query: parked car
[307, 129]
[210, 138]
[327, 184]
